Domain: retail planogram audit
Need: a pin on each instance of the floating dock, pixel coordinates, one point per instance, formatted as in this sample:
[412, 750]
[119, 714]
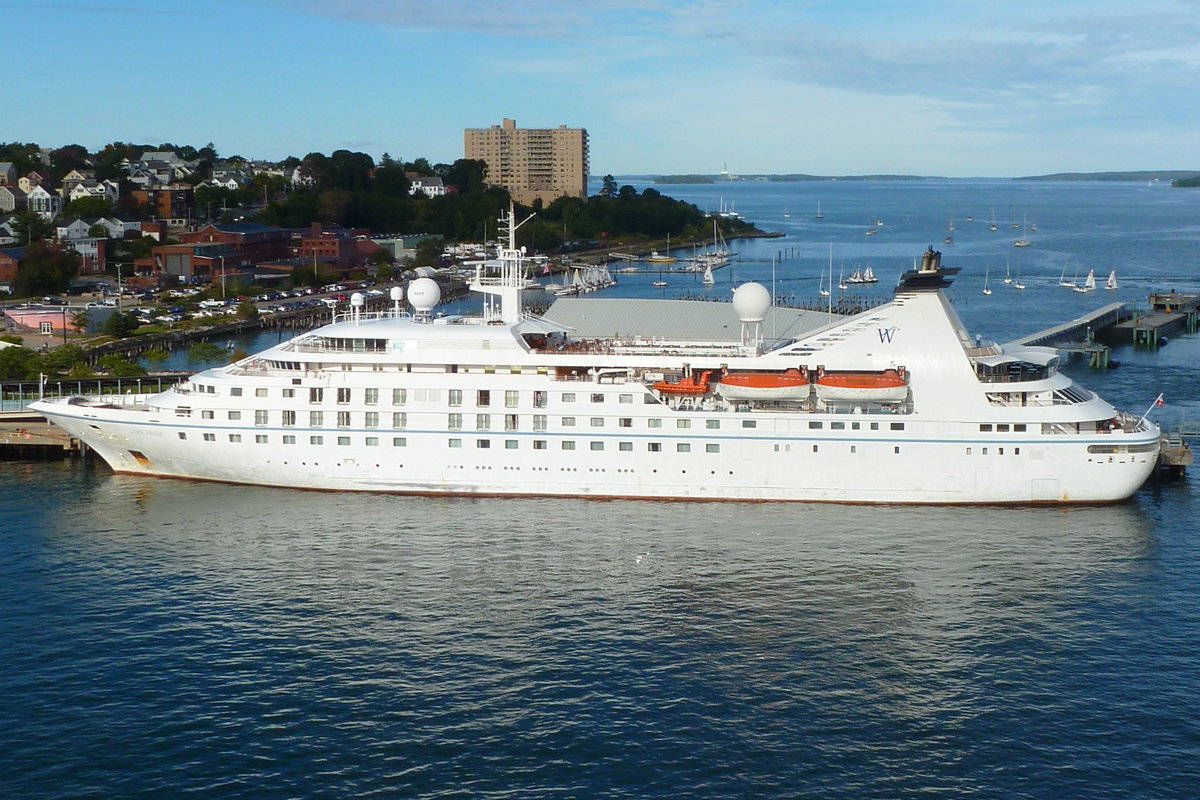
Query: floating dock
[1170, 313]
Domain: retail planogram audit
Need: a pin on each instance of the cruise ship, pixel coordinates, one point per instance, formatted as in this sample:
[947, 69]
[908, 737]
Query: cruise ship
[898, 404]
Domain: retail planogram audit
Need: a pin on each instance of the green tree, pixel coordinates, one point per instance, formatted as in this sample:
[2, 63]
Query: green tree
[19, 364]
[29, 227]
[246, 310]
[80, 320]
[206, 353]
[119, 325]
[428, 253]
[88, 208]
[67, 158]
[47, 269]
[120, 367]
[63, 357]
[609, 187]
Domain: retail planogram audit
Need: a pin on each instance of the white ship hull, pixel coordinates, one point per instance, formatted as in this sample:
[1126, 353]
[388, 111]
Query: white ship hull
[407, 405]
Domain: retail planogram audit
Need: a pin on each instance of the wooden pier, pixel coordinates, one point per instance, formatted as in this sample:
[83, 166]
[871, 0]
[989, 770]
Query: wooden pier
[1079, 335]
[30, 436]
[1170, 313]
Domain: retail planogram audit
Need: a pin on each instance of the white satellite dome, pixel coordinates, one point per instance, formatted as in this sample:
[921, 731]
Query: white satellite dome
[357, 300]
[424, 294]
[751, 301]
[397, 294]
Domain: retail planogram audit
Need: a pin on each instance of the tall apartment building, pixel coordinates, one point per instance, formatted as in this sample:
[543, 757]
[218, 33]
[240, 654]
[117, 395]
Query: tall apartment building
[532, 163]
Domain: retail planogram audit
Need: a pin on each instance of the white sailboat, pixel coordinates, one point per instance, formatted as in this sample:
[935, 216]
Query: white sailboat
[708, 279]
[1024, 240]
[1007, 275]
[986, 290]
[1089, 283]
[868, 276]
[1018, 284]
[1111, 283]
[1062, 279]
[993, 225]
[841, 283]
[821, 290]
[819, 214]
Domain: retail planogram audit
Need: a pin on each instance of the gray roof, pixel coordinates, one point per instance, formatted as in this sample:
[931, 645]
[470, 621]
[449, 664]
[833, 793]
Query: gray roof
[677, 320]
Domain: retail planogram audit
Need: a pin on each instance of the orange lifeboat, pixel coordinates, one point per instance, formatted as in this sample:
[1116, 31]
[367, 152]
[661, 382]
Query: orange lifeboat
[685, 386]
[889, 386]
[791, 384]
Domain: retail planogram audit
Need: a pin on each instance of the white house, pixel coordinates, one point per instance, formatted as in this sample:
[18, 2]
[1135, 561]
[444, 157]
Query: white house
[431, 185]
[46, 203]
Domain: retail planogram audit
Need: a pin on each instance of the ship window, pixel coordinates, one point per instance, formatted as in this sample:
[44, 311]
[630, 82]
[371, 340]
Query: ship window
[371, 419]
[210, 437]
[712, 448]
[1019, 427]
[874, 426]
[654, 447]
[1016, 451]
[343, 441]
[985, 427]
[235, 415]
[343, 419]
[343, 396]
[712, 424]
[654, 423]
[855, 426]
[1002, 427]
[1000, 451]
[399, 419]
[568, 397]
[838, 426]
[815, 425]
[568, 421]
[539, 422]
[399, 441]
[235, 437]
[483, 398]
[260, 392]
[568, 445]
[597, 445]
[968, 451]
[511, 398]
[649, 400]
[897, 450]
[316, 440]
[683, 447]
[371, 396]
[625, 447]
[289, 393]
[597, 422]
[539, 399]
[897, 426]
[183, 411]
[455, 442]
[260, 438]
[316, 419]
[625, 398]
[815, 448]
[400, 397]
[287, 439]
[182, 435]
[236, 391]
[483, 444]
[749, 423]
[372, 441]
[625, 422]
[260, 417]
[510, 422]
[683, 423]
[206, 415]
[316, 394]
[454, 422]
[985, 451]
[597, 397]
[539, 444]
[454, 397]
[510, 444]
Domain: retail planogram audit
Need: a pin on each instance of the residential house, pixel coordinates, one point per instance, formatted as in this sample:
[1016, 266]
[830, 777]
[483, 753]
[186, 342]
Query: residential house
[77, 176]
[106, 190]
[76, 234]
[8, 173]
[11, 198]
[430, 185]
[27, 182]
[46, 203]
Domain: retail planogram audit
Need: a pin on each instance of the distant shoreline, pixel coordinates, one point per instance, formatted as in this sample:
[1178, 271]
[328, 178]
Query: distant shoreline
[1162, 176]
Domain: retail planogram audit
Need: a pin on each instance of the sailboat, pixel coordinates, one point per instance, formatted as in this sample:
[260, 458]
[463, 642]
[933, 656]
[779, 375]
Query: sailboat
[786, 213]
[1062, 279]
[868, 275]
[1111, 283]
[993, 225]
[708, 279]
[841, 283]
[1023, 242]
[950, 234]
[1089, 283]
[986, 290]
[1007, 276]
[821, 290]
[662, 258]
[819, 214]
[1018, 284]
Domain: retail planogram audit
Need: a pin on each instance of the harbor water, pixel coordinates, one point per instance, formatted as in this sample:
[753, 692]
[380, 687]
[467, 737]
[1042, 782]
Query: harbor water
[167, 638]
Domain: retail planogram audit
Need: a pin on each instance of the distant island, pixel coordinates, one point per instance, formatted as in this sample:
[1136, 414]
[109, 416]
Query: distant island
[1176, 177]
[1179, 177]
[789, 178]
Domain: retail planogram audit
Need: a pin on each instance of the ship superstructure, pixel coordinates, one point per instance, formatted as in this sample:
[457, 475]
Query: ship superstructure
[898, 404]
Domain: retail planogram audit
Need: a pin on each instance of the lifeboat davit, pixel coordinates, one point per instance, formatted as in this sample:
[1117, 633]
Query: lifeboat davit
[685, 386]
[791, 384]
[889, 386]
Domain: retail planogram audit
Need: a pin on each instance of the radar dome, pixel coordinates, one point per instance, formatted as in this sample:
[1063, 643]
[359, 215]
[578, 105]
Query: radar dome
[357, 300]
[397, 294]
[424, 294]
[751, 301]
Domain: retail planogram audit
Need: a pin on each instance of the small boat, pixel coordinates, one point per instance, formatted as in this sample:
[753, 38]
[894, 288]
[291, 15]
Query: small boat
[992, 227]
[1062, 280]
[841, 283]
[1023, 241]
[986, 290]
[688, 385]
[872, 231]
[1089, 283]
[1111, 283]
[888, 386]
[1007, 275]
[879, 223]
[786, 213]
[868, 276]
[708, 279]
[1018, 284]
[792, 384]
[819, 214]
[656, 257]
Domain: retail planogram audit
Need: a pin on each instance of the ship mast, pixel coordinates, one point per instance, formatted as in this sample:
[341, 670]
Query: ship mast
[511, 282]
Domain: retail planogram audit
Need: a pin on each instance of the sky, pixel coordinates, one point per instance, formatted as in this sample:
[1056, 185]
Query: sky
[924, 87]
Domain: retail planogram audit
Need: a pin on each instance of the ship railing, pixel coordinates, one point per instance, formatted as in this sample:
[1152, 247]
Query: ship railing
[133, 402]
